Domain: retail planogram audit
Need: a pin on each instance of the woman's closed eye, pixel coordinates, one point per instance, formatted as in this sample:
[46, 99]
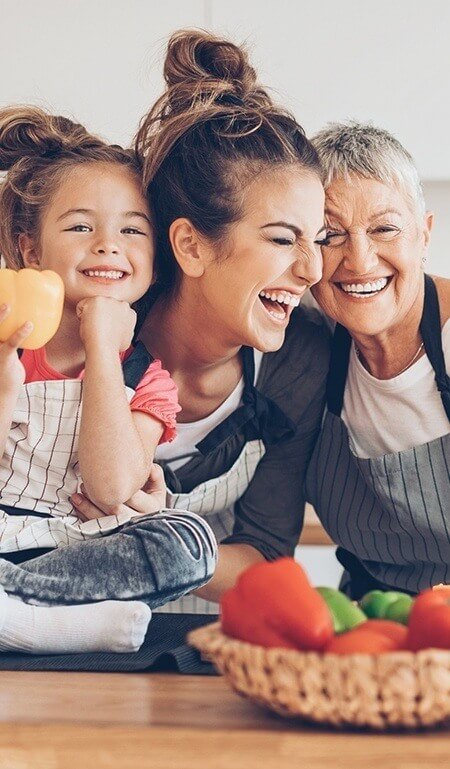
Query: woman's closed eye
[283, 241]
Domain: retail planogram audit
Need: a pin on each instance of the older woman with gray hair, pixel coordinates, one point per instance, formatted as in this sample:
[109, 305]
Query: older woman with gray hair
[379, 477]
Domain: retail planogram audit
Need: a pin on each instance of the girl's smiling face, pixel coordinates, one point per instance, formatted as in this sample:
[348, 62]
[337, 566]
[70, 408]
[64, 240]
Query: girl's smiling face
[268, 260]
[372, 263]
[96, 234]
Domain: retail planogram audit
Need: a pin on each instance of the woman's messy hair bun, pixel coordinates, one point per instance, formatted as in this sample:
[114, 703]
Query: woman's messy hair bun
[199, 66]
[210, 133]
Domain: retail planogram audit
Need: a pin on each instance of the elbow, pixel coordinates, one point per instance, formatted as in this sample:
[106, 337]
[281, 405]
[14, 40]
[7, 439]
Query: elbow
[112, 491]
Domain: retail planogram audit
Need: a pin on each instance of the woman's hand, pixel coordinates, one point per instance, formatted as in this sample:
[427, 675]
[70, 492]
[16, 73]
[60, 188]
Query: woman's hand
[151, 499]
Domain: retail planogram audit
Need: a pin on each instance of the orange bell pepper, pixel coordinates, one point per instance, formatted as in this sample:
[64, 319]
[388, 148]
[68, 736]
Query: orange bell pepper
[32, 296]
[376, 636]
[429, 621]
[274, 605]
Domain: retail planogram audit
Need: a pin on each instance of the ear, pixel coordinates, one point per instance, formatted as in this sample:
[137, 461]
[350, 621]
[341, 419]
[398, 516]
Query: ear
[29, 252]
[426, 229]
[189, 248]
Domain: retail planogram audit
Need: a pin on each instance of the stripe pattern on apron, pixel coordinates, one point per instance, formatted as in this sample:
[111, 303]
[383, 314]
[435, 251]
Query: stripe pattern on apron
[390, 515]
[39, 468]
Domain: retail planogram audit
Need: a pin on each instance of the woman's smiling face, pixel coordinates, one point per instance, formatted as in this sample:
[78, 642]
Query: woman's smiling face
[269, 259]
[372, 264]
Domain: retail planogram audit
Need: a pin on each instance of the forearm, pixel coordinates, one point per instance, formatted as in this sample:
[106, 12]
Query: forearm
[7, 405]
[114, 464]
[233, 560]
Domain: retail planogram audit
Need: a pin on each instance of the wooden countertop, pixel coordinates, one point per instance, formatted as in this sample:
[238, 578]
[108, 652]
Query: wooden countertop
[167, 721]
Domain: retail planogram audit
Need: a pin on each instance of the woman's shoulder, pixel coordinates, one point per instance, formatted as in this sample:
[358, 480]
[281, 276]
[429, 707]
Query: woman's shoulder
[443, 289]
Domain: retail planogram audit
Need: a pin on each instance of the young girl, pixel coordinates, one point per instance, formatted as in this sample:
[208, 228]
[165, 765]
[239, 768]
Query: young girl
[88, 400]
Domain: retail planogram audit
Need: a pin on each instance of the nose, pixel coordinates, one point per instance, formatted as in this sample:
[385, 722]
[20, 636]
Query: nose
[359, 254]
[105, 244]
[308, 265]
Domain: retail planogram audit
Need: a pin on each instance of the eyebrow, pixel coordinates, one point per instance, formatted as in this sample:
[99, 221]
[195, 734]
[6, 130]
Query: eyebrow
[128, 214]
[381, 212]
[384, 211]
[288, 226]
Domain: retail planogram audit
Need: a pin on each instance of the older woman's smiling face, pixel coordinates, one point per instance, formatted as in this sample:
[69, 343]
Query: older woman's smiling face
[372, 265]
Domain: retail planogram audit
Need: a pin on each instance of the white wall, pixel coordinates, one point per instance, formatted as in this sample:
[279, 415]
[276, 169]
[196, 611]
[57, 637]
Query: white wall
[387, 61]
[437, 198]
[100, 60]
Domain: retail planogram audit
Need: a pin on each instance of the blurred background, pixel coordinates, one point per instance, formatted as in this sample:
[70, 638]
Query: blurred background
[386, 62]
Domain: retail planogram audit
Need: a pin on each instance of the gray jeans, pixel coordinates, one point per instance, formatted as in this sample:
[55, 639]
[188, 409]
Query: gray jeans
[155, 558]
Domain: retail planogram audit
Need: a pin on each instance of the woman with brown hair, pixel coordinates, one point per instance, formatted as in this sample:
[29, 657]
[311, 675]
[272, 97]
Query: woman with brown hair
[236, 196]
[237, 205]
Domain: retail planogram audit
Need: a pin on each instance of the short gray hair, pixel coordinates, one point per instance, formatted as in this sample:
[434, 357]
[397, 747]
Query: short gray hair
[370, 152]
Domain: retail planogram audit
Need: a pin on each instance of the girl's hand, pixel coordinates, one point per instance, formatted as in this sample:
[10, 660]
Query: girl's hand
[151, 499]
[106, 321]
[12, 372]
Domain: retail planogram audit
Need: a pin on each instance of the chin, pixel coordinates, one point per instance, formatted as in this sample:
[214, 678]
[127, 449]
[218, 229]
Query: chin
[270, 343]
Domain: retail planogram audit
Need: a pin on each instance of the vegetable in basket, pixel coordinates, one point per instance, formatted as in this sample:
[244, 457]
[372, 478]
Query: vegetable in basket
[379, 604]
[429, 622]
[274, 605]
[346, 614]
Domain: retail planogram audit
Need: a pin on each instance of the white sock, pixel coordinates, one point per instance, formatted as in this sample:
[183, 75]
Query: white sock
[107, 626]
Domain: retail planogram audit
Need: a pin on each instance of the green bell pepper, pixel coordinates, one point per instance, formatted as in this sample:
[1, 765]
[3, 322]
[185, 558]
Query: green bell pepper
[346, 614]
[391, 605]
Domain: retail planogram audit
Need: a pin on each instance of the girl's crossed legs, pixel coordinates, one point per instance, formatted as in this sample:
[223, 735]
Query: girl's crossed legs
[150, 561]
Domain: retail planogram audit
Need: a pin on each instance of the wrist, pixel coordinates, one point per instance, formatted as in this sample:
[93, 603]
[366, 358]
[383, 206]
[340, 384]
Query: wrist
[96, 349]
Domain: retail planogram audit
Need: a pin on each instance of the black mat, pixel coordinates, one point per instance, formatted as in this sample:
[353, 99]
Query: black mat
[164, 648]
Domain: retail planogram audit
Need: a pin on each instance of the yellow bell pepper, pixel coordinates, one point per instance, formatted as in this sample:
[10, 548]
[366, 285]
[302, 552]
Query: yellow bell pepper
[34, 296]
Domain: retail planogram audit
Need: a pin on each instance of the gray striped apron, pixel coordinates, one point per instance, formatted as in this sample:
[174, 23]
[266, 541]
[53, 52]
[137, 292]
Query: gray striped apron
[389, 515]
[264, 423]
[39, 467]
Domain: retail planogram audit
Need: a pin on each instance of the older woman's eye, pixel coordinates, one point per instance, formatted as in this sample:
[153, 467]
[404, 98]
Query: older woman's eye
[334, 238]
[384, 232]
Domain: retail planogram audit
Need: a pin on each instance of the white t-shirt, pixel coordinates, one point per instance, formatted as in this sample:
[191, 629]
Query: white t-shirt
[180, 450]
[385, 416]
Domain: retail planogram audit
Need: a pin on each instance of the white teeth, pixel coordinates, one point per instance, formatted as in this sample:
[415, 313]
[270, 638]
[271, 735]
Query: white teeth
[110, 274]
[282, 298]
[278, 315]
[367, 288]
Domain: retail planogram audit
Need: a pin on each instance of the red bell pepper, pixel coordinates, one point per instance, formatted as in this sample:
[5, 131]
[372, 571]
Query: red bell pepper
[274, 605]
[429, 621]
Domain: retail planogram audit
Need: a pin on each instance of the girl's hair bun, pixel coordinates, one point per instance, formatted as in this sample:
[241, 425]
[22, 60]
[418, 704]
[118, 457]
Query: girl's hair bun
[29, 132]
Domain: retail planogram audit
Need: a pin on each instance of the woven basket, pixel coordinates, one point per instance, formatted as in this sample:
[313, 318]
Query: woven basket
[397, 689]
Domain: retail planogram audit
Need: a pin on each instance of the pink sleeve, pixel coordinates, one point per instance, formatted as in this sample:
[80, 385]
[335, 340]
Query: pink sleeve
[157, 395]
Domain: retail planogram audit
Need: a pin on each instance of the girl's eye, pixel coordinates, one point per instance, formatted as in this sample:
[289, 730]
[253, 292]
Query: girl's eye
[132, 231]
[79, 228]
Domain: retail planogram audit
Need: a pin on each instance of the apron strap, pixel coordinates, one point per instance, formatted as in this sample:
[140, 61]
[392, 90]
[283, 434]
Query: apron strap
[430, 329]
[135, 366]
[337, 374]
[259, 416]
